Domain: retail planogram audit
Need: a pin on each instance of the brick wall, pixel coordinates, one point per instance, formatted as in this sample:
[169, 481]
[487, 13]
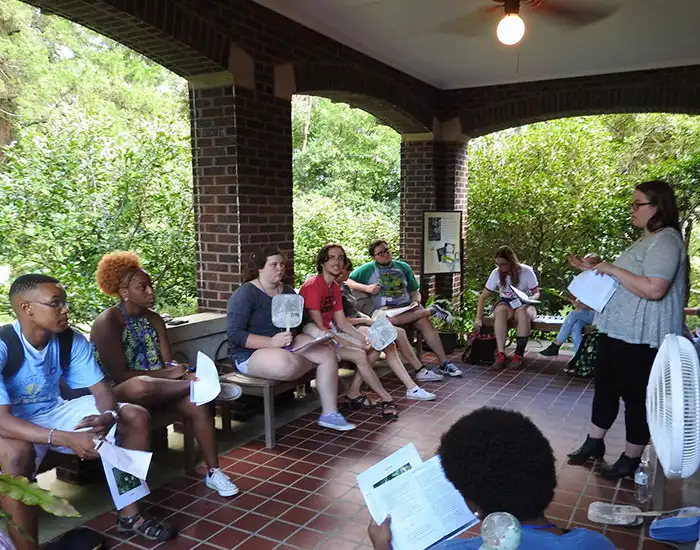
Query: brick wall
[488, 109]
[243, 188]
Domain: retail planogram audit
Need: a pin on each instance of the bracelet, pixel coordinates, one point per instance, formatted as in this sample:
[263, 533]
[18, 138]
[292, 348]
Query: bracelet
[171, 364]
[51, 432]
[115, 414]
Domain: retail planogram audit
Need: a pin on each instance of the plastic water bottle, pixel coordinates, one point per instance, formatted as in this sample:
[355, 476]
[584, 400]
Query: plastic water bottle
[300, 392]
[641, 479]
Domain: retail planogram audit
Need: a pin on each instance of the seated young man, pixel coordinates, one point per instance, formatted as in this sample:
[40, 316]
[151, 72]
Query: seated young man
[323, 303]
[34, 418]
[362, 321]
[391, 283]
[501, 462]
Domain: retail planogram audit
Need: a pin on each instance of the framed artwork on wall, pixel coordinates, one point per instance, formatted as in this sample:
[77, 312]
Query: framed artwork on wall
[442, 242]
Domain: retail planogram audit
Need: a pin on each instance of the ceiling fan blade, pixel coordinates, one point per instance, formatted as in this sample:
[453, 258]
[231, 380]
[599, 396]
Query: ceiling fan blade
[472, 24]
[576, 16]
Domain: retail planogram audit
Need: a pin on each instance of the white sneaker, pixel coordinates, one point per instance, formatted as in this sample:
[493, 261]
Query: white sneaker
[230, 392]
[419, 394]
[449, 369]
[223, 485]
[425, 375]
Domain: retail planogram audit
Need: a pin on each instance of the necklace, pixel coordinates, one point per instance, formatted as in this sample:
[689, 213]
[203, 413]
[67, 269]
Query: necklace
[139, 332]
[276, 290]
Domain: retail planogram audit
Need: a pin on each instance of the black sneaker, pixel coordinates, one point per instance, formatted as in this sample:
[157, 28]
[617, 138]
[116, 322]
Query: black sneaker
[551, 351]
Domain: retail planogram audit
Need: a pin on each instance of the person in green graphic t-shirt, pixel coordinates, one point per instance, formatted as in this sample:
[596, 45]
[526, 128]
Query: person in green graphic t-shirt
[392, 284]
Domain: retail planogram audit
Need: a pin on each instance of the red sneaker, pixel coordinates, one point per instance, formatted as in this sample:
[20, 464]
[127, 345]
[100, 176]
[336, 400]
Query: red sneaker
[499, 362]
[516, 362]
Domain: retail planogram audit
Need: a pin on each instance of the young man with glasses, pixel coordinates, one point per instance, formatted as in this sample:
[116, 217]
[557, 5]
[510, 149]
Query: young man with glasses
[33, 416]
[391, 284]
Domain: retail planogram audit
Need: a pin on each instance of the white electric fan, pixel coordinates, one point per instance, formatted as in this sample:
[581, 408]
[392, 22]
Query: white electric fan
[673, 407]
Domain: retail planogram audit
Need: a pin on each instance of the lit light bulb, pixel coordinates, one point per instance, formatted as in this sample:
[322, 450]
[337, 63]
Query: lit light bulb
[511, 29]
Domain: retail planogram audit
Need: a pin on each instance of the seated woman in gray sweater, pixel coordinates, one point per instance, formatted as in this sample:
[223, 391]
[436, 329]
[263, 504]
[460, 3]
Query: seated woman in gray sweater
[257, 346]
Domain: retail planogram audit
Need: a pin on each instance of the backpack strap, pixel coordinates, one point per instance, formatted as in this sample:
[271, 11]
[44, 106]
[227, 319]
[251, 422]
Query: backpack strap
[65, 347]
[15, 351]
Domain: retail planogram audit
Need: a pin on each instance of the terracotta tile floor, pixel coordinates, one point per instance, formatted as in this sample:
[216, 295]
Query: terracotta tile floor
[302, 493]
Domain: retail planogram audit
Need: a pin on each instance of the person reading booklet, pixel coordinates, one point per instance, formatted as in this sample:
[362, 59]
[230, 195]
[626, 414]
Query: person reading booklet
[501, 462]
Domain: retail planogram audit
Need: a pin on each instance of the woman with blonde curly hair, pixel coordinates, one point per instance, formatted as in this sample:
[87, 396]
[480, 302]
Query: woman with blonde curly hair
[133, 349]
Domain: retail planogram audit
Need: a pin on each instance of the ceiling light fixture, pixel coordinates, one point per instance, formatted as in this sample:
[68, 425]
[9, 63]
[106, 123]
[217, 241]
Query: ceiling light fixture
[511, 28]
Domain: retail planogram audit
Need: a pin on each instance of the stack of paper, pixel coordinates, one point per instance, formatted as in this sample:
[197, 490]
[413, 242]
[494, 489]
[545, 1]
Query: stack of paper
[593, 289]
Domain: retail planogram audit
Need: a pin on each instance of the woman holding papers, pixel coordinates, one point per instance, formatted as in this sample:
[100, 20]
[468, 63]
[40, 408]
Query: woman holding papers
[132, 347]
[646, 306]
[262, 350]
[518, 289]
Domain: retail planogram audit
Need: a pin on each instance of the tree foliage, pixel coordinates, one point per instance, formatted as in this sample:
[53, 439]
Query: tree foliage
[98, 159]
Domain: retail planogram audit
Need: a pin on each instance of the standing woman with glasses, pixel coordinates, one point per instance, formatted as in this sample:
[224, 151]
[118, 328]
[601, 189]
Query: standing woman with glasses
[647, 305]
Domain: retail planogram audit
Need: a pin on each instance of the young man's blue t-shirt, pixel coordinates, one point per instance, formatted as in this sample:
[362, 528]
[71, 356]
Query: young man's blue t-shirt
[576, 539]
[34, 390]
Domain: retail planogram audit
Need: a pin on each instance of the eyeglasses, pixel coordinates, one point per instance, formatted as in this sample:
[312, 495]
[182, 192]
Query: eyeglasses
[382, 252]
[55, 305]
[634, 206]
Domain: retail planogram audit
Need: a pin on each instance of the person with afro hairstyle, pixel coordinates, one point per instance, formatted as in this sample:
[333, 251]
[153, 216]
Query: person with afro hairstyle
[501, 462]
[132, 346]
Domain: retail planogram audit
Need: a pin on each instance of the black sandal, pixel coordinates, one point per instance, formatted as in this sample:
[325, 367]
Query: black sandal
[389, 411]
[149, 528]
[359, 403]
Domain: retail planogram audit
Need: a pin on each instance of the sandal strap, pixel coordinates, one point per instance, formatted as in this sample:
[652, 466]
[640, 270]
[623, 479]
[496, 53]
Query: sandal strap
[389, 413]
[149, 528]
[360, 402]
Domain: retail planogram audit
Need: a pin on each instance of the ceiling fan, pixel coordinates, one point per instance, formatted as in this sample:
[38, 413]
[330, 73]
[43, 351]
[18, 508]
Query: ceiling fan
[511, 27]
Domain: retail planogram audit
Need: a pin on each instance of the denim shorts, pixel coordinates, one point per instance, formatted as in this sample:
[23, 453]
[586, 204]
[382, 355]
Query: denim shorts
[242, 366]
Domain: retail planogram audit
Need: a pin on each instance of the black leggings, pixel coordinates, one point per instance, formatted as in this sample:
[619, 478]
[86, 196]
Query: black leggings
[622, 370]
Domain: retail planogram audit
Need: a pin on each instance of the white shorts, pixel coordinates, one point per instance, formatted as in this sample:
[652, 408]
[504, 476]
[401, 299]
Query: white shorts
[64, 417]
[242, 367]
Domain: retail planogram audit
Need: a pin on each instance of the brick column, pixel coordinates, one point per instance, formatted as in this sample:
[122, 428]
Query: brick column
[433, 177]
[242, 163]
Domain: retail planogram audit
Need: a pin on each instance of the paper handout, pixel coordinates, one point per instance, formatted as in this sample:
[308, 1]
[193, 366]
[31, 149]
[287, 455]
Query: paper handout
[318, 340]
[133, 462]
[393, 312]
[125, 470]
[207, 386]
[425, 507]
[593, 289]
[522, 296]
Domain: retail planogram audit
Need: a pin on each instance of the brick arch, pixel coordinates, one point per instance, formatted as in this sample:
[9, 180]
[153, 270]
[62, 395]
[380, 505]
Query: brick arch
[391, 102]
[485, 110]
[170, 34]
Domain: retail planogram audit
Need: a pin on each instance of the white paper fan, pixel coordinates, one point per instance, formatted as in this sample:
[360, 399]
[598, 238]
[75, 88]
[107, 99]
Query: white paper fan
[673, 407]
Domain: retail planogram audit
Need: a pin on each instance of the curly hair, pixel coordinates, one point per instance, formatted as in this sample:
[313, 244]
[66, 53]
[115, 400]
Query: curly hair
[114, 268]
[500, 461]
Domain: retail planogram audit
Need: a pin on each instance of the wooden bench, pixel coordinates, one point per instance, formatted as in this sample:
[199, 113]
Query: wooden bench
[257, 387]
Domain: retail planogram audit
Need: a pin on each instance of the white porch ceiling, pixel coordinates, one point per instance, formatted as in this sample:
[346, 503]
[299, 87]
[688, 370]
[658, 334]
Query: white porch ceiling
[641, 34]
